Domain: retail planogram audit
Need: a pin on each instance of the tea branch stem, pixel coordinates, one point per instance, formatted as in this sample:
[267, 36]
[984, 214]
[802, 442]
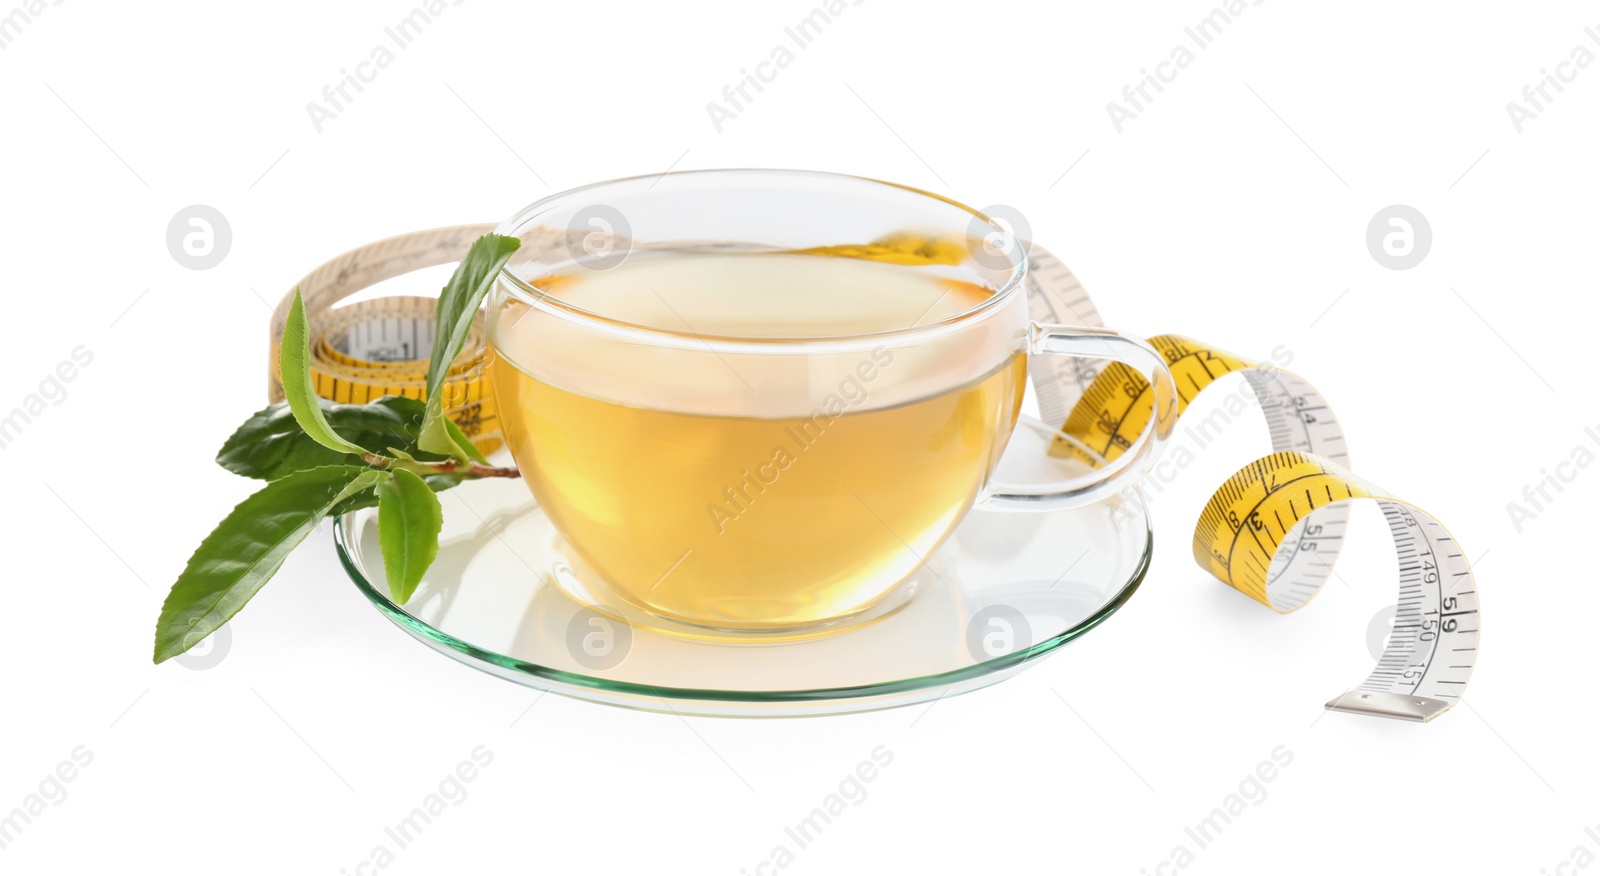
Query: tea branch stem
[473, 470]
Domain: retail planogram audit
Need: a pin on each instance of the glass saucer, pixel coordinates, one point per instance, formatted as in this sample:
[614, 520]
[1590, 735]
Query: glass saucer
[1006, 588]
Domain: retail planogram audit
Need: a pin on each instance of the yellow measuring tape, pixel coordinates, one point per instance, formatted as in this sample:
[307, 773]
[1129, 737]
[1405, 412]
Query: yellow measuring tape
[1272, 531]
[368, 349]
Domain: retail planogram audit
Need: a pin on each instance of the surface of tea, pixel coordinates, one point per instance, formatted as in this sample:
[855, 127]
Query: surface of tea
[752, 490]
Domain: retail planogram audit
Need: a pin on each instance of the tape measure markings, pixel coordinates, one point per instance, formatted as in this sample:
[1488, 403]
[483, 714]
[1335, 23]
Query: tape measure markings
[350, 366]
[1290, 504]
[1056, 296]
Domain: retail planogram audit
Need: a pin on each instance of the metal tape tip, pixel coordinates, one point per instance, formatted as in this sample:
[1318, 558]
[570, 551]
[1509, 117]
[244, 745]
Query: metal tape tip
[1382, 704]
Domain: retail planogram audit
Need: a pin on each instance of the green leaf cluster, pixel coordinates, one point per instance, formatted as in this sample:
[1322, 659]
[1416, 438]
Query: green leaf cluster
[321, 459]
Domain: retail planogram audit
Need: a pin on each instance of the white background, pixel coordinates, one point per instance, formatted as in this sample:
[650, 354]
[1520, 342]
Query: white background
[1233, 208]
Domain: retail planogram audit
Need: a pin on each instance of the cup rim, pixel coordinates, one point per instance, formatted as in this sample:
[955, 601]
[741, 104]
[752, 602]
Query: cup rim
[549, 303]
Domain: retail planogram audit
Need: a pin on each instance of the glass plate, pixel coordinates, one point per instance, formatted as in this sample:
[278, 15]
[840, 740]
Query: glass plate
[1006, 588]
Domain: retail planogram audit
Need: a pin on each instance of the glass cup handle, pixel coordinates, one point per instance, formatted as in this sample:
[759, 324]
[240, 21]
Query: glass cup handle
[1137, 460]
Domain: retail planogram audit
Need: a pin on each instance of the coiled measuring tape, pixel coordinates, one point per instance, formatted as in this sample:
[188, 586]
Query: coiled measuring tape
[1272, 531]
[368, 349]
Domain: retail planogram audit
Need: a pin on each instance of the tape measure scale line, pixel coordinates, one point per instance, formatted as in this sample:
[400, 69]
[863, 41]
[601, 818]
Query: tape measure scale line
[1273, 530]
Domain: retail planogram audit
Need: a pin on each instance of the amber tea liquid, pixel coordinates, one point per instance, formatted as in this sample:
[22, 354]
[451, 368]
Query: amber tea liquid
[746, 491]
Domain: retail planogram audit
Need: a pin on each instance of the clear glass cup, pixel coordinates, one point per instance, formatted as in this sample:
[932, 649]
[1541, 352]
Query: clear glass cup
[726, 392]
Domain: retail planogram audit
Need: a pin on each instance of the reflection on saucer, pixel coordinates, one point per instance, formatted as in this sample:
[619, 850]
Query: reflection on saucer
[505, 597]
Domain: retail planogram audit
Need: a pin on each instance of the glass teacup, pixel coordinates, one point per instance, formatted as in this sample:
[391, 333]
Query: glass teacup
[755, 401]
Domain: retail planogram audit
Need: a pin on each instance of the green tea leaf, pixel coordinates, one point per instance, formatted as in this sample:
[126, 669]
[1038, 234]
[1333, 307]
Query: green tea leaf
[271, 444]
[409, 518]
[294, 371]
[247, 548]
[460, 439]
[369, 498]
[458, 305]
